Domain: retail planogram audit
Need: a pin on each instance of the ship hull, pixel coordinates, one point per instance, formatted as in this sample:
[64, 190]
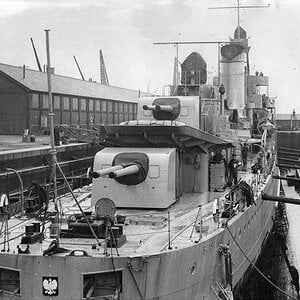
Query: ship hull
[190, 272]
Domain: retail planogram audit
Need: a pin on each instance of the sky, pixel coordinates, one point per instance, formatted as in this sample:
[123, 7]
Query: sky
[125, 31]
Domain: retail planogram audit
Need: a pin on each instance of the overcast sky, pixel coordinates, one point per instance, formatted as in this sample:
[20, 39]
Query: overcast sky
[125, 30]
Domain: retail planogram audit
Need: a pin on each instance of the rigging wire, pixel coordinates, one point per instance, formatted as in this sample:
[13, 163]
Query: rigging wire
[258, 271]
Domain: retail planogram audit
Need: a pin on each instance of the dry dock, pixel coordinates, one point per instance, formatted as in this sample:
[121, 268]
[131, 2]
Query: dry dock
[32, 160]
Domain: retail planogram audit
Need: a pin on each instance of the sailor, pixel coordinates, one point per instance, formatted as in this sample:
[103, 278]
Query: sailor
[215, 209]
[245, 150]
[233, 169]
[218, 158]
[56, 136]
[3, 202]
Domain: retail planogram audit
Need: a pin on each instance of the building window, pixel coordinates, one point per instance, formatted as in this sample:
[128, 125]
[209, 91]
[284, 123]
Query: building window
[97, 105]
[110, 106]
[83, 104]
[45, 102]
[35, 101]
[74, 103]
[66, 103]
[103, 106]
[120, 107]
[56, 100]
[130, 108]
[91, 105]
[126, 107]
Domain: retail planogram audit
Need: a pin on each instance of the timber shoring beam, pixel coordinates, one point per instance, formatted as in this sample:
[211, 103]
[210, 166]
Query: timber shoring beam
[289, 150]
[286, 178]
[296, 161]
[280, 199]
[288, 166]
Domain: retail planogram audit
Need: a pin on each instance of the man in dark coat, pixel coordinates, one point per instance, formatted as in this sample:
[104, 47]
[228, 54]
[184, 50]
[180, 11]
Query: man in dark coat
[233, 169]
[56, 136]
[245, 150]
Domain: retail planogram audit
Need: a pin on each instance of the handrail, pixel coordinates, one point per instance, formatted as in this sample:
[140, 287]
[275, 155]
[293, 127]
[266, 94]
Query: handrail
[22, 187]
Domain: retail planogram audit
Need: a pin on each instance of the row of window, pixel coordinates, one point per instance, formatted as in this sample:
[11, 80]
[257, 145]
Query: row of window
[41, 101]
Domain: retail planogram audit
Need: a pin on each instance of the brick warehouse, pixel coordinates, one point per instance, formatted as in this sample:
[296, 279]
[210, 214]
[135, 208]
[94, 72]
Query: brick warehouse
[24, 101]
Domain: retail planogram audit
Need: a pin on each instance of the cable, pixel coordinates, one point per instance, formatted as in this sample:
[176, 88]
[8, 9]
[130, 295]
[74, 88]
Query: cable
[258, 271]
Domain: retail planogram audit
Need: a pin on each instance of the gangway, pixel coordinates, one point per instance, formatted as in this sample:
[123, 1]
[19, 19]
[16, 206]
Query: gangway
[70, 134]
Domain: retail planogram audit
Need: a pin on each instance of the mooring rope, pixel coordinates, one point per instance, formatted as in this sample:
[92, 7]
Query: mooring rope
[258, 271]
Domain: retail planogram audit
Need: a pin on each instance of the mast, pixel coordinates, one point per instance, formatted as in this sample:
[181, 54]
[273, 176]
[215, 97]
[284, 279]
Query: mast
[51, 117]
[238, 20]
[238, 7]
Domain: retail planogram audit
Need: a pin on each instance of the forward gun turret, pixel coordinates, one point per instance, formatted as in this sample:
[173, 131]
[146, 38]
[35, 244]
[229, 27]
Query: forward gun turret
[167, 108]
[129, 170]
[164, 108]
[106, 171]
[157, 108]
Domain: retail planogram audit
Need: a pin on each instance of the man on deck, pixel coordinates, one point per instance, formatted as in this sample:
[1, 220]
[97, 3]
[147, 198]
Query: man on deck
[245, 150]
[233, 169]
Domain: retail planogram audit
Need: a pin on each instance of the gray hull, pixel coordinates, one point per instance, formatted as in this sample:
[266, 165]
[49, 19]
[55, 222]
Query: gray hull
[187, 273]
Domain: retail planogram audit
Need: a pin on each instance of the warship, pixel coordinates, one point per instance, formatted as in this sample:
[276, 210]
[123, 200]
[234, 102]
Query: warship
[166, 215]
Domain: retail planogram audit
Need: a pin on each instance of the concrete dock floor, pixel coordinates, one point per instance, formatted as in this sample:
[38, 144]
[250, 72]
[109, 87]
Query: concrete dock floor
[14, 142]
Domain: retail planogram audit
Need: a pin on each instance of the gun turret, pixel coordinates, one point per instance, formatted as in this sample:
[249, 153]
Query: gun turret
[149, 107]
[164, 108]
[132, 169]
[167, 108]
[106, 171]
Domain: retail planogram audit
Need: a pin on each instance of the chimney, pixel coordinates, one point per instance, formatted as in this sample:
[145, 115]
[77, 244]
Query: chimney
[24, 71]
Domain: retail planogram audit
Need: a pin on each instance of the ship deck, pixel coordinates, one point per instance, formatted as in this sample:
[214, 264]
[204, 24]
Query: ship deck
[146, 231]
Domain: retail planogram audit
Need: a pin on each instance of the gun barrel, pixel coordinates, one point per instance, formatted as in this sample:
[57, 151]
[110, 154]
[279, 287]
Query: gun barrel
[149, 107]
[106, 171]
[133, 169]
[168, 108]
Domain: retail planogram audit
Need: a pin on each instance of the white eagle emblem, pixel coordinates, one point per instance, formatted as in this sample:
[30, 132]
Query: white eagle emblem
[50, 286]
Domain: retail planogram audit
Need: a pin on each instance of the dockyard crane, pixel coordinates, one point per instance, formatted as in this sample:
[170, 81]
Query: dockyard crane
[103, 74]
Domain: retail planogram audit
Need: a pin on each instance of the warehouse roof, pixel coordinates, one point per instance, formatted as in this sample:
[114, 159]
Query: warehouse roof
[37, 81]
